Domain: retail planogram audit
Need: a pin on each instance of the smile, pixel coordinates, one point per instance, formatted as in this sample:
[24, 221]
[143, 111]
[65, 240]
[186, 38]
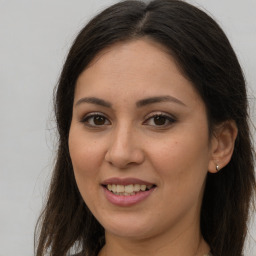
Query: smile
[128, 190]
[124, 192]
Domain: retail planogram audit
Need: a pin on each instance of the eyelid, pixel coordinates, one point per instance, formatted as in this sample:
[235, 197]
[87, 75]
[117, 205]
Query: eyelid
[160, 113]
[93, 114]
[169, 117]
[172, 119]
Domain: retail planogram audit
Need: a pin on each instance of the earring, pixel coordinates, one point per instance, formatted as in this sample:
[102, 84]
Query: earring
[217, 168]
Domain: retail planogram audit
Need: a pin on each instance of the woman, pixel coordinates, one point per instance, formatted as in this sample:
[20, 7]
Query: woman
[155, 156]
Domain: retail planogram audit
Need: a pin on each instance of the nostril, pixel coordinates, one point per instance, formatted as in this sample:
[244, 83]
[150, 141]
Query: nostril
[124, 152]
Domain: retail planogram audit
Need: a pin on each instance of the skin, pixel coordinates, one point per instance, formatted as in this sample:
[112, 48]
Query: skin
[128, 142]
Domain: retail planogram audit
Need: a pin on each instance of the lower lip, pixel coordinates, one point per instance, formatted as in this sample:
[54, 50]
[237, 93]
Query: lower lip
[127, 200]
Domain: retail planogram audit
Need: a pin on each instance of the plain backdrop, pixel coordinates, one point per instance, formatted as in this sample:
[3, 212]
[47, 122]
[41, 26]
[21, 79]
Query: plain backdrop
[34, 40]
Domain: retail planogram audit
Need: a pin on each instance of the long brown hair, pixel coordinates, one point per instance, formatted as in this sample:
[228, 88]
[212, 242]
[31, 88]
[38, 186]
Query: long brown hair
[207, 59]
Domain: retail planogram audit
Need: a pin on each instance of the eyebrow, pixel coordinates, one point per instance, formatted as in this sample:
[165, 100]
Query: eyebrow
[158, 99]
[140, 103]
[94, 100]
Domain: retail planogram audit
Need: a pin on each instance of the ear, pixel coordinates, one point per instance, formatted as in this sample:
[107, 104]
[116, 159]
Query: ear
[222, 145]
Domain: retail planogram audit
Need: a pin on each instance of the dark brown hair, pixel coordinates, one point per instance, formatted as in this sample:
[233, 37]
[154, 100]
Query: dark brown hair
[207, 59]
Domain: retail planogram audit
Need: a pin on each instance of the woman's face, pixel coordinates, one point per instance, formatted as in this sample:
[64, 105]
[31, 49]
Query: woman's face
[139, 142]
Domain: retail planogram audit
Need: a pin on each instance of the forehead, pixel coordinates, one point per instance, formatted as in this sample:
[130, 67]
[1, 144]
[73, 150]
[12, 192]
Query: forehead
[140, 66]
[143, 52]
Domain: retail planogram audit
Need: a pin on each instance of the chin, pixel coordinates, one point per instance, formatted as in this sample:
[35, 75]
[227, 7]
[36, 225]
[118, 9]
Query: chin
[127, 228]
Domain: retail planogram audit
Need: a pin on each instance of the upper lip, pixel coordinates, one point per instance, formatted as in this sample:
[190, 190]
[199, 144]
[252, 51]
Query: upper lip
[126, 181]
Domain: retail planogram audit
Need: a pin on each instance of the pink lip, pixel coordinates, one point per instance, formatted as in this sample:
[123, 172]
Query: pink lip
[127, 200]
[126, 181]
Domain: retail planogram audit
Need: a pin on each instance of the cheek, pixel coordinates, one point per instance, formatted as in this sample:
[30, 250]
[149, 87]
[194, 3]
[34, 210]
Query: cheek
[182, 160]
[182, 166]
[86, 154]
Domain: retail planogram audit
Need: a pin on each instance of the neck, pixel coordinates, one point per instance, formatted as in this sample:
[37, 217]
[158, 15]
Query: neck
[187, 243]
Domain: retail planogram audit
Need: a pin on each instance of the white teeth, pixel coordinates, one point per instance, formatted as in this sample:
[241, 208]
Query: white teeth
[127, 190]
[119, 188]
[113, 188]
[136, 187]
[143, 187]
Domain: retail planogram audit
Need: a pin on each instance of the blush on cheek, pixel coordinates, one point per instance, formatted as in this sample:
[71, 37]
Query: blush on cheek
[83, 167]
[84, 154]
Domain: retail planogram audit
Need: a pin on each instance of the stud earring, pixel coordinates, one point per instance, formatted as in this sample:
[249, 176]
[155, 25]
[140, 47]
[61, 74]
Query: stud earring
[217, 168]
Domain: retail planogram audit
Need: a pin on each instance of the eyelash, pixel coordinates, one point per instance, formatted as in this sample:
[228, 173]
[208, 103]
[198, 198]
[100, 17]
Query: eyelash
[168, 118]
[87, 118]
[91, 116]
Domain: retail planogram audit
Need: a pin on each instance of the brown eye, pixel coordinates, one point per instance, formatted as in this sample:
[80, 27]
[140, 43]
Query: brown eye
[160, 120]
[99, 120]
[94, 120]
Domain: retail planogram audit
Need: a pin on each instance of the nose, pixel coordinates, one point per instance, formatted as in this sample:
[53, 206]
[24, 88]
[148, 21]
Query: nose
[124, 149]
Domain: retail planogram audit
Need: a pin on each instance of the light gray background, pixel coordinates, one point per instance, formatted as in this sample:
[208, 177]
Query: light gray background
[34, 39]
